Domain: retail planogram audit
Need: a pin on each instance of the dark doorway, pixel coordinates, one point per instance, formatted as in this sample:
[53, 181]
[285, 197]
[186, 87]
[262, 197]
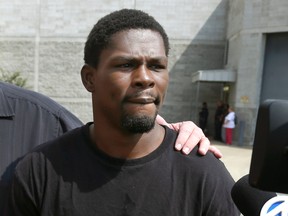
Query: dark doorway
[275, 70]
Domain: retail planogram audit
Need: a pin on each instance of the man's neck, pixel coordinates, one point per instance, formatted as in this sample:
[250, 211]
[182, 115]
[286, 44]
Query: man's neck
[126, 145]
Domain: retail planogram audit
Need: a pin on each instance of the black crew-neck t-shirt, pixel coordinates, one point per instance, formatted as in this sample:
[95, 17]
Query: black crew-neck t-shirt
[70, 176]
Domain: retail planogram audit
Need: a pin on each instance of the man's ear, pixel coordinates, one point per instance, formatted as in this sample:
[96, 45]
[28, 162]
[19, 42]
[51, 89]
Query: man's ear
[87, 77]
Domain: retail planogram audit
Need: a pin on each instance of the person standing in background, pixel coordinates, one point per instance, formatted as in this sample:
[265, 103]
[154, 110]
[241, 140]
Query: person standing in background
[218, 120]
[229, 125]
[203, 117]
[225, 113]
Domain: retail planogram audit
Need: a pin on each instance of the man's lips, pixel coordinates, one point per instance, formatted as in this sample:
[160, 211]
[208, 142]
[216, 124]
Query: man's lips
[142, 100]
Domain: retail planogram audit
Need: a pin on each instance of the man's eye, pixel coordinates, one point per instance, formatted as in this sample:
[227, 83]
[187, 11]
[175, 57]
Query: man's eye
[157, 67]
[126, 65]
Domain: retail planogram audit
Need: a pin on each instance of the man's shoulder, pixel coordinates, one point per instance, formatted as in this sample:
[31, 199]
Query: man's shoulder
[194, 159]
[24, 95]
[59, 146]
[66, 140]
[194, 156]
[29, 97]
[31, 104]
[56, 154]
[198, 165]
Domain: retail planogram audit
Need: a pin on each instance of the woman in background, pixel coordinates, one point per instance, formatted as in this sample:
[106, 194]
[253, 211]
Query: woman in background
[229, 125]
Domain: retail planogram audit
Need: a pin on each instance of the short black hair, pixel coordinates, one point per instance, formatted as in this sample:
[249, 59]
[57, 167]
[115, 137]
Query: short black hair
[125, 19]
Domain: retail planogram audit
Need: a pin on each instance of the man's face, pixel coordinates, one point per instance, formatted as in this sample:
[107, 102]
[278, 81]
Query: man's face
[131, 80]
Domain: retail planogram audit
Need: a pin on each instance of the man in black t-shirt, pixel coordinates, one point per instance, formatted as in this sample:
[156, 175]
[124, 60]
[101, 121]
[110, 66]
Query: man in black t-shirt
[123, 163]
[28, 118]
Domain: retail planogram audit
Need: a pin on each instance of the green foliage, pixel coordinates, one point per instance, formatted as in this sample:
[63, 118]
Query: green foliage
[13, 78]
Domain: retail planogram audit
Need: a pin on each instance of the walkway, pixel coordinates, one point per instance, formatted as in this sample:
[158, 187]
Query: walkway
[236, 159]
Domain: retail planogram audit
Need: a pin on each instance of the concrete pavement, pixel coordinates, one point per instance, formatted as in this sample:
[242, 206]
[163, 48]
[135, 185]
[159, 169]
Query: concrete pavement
[236, 159]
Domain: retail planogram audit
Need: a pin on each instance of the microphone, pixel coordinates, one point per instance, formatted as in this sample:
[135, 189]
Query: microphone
[249, 200]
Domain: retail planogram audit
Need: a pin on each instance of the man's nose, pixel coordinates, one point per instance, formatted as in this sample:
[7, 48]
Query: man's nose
[143, 78]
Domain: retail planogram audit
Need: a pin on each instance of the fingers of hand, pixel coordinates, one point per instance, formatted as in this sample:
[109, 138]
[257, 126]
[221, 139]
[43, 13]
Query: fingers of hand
[215, 151]
[204, 145]
[189, 136]
[161, 120]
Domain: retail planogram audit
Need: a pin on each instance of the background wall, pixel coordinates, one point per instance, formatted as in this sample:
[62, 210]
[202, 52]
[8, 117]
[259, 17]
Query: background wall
[44, 40]
[249, 22]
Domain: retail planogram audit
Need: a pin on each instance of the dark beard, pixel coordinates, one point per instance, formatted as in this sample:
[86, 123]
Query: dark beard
[138, 124]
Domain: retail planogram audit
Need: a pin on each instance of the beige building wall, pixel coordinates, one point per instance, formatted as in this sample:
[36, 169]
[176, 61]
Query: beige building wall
[44, 40]
[248, 23]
